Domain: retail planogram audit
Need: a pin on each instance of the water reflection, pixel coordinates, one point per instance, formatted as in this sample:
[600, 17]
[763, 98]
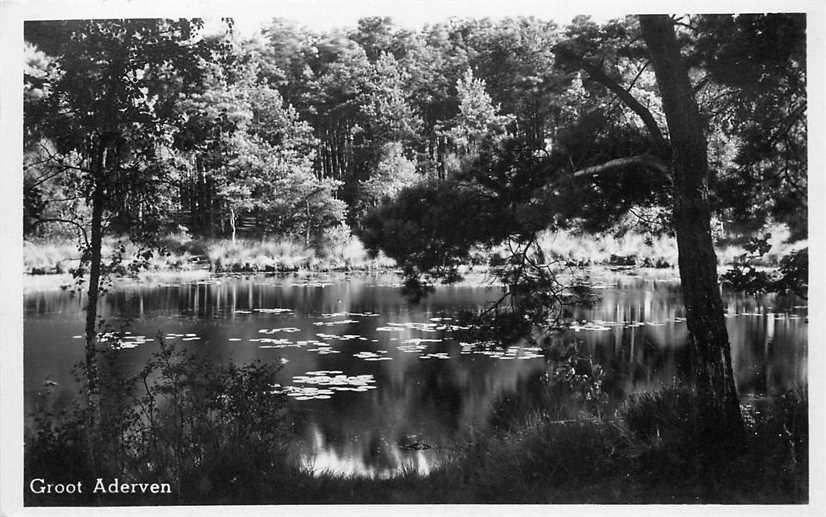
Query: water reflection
[377, 458]
[382, 384]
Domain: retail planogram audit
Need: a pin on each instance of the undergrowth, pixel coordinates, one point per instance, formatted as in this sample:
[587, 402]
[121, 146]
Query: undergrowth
[219, 434]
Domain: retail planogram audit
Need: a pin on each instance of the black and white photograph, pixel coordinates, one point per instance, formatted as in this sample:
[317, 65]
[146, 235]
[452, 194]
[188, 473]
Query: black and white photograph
[411, 253]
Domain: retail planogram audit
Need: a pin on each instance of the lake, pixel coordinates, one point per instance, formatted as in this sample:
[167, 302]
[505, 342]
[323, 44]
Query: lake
[383, 384]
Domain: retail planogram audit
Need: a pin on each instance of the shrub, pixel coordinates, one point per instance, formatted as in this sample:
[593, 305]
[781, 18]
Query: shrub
[212, 431]
[663, 417]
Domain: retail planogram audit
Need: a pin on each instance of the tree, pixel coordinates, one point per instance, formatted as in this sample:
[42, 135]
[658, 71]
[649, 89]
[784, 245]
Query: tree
[213, 119]
[387, 110]
[748, 62]
[108, 114]
[682, 156]
[708, 336]
[478, 118]
[375, 35]
[393, 173]
[255, 153]
[431, 228]
[753, 92]
[434, 60]
[631, 132]
[516, 59]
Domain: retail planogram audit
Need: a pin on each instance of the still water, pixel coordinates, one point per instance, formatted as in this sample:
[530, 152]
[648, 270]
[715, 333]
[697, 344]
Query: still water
[384, 384]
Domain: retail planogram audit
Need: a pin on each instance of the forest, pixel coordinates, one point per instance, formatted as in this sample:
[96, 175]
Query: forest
[525, 150]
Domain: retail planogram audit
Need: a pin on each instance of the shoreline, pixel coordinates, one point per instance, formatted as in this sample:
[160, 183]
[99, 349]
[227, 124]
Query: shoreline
[48, 265]
[472, 276]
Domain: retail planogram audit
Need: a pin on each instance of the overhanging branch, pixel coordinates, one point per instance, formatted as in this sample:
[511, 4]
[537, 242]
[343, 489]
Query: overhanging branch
[81, 229]
[646, 160]
[598, 74]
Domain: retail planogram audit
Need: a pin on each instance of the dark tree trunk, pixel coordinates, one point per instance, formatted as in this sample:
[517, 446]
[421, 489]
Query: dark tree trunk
[94, 256]
[711, 353]
[211, 193]
[307, 230]
[93, 294]
[94, 286]
[232, 222]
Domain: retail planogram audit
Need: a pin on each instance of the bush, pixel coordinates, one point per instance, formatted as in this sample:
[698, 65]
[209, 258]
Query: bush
[571, 389]
[214, 432]
[563, 453]
[664, 418]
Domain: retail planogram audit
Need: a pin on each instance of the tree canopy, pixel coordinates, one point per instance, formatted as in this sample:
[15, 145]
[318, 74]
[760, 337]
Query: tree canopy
[378, 105]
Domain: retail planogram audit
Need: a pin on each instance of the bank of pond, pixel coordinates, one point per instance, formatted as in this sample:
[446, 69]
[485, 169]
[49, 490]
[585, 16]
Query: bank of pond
[345, 252]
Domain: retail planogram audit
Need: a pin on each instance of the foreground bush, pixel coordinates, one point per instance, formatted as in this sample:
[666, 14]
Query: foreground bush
[211, 431]
[648, 451]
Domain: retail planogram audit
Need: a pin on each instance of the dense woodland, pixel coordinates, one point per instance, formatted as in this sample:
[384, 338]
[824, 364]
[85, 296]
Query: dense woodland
[429, 144]
[297, 132]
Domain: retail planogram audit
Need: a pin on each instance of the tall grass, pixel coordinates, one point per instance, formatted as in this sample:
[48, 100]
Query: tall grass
[181, 252]
[291, 255]
[338, 249]
[62, 255]
[637, 248]
[52, 256]
[648, 250]
[249, 255]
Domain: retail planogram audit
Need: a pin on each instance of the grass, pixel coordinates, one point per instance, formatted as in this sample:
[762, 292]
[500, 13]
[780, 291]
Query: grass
[340, 250]
[631, 248]
[183, 253]
[49, 256]
[648, 250]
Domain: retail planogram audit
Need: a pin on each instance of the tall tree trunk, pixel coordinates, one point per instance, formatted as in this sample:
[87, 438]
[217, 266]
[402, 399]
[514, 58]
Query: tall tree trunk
[307, 229]
[93, 294]
[232, 222]
[211, 192]
[711, 353]
[94, 286]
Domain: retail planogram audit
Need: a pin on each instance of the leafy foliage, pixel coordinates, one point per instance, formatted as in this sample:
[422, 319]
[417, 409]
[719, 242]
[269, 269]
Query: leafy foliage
[393, 173]
[99, 115]
[791, 277]
[755, 68]
[211, 430]
[356, 108]
[478, 119]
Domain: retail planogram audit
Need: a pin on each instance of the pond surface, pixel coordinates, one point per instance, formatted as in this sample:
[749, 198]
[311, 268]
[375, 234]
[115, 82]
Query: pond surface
[384, 384]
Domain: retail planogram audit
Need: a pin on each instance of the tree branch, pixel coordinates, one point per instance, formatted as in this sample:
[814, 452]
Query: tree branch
[58, 161]
[61, 200]
[637, 77]
[79, 226]
[647, 160]
[45, 177]
[597, 74]
[706, 79]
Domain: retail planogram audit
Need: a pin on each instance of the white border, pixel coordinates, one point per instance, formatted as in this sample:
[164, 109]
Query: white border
[342, 12]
